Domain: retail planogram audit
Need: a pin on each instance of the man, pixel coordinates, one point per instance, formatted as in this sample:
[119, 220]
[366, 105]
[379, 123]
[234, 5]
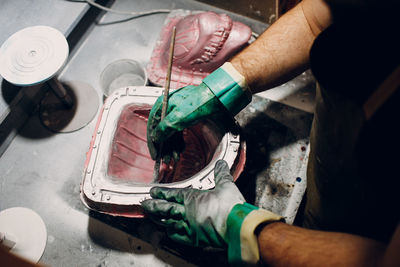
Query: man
[351, 216]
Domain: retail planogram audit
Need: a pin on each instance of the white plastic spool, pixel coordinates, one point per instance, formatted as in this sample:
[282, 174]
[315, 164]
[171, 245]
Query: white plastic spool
[23, 233]
[35, 55]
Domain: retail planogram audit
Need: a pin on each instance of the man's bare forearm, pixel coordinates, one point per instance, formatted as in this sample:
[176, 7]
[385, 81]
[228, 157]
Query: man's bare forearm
[282, 51]
[286, 245]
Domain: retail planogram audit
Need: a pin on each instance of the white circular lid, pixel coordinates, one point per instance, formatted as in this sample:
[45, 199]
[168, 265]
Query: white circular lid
[28, 230]
[33, 55]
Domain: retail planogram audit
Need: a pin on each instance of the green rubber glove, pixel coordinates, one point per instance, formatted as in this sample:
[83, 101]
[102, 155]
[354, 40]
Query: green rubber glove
[218, 217]
[224, 90]
[196, 217]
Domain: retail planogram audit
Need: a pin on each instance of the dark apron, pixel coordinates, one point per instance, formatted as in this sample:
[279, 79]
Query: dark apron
[339, 196]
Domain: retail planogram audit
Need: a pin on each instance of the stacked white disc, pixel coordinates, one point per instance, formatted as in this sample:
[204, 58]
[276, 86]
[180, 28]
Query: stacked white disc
[33, 55]
[25, 230]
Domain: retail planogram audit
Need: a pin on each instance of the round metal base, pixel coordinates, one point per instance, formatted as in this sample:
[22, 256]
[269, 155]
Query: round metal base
[27, 229]
[59, 118]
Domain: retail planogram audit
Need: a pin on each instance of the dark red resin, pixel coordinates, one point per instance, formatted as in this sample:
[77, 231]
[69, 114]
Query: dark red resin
[130, 160]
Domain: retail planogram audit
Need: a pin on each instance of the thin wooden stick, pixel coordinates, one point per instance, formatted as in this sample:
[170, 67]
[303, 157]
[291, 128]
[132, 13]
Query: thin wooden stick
[157, 165]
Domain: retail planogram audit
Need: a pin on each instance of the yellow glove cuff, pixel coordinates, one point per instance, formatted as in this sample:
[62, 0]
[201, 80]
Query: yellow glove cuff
[242, 240]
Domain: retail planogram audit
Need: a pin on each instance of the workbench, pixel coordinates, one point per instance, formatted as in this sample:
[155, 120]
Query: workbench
[42, 170]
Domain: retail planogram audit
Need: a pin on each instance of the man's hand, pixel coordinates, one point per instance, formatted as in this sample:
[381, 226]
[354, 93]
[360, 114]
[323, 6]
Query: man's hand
[219, 217]
[223, 91]
[196, 217]
[186, 107]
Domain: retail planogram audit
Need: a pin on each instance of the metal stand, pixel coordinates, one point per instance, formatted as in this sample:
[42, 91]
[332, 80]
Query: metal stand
[60, 92]
[68, 107]
[35, 55]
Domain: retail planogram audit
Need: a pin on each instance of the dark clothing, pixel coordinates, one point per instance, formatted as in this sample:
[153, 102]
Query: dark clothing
[353, 176]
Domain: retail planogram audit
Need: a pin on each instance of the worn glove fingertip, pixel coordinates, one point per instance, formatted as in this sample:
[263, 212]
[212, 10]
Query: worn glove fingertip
[176, 156]
[158, 136]
[152, 150]
[222, 172]
[148, 205]
[155, 192]
[221, 165]
[180, 238]
[167, 159]
[158, 192]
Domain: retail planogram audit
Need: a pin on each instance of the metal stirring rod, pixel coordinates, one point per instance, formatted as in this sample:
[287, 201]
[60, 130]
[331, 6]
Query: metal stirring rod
[157, 165]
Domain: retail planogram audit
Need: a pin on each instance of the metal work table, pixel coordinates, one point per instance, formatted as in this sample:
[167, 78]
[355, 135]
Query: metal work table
[42, 170]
